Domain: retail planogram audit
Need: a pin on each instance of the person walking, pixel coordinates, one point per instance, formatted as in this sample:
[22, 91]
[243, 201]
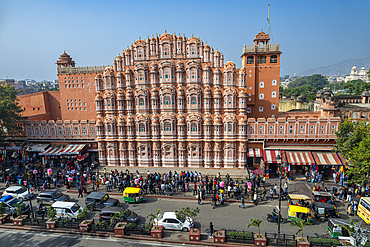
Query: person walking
[255, 199]
[199, 198]
[214, 201]
[242, 202]
[271, 193]
[80, 191]
[210, 230]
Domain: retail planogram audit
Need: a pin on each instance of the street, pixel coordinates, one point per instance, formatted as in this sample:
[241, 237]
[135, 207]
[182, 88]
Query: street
[228, 216]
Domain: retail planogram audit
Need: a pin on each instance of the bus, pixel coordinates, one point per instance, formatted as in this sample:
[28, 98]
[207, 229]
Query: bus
[363, 210]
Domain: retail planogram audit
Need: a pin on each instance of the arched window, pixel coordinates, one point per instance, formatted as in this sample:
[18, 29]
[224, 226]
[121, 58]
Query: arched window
[193, 100]
[250, 60]
[142, 127]
[194, 127]
[141, 101]
[167, 126]
[167, 100]
[273, 59]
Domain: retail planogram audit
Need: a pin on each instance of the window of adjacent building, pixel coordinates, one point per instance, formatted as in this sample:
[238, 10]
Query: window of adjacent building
[261, 59]
[273, 107]
[69, 109]
[250, 60]
[250, 87]
[249, 99]
[273, 94]
[274, 82]
[273, 116]
[273, 59]
[85, 108]
[250, 95]
[262, 84]
[249, 110]
[250, 75]
[261, 96]
[260, 109]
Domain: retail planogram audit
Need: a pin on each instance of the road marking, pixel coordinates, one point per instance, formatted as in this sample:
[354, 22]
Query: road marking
[307, 186]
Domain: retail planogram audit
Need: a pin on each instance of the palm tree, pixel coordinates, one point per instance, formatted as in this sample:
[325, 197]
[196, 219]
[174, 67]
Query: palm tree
[257, 223]
[152, 217]
[300, 223]
[349, 228]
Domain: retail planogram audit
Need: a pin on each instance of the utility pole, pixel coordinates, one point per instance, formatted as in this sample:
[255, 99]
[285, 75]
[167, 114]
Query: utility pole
[268, 19]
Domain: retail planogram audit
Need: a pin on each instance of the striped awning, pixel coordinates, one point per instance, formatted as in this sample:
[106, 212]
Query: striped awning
[72, 149]
[37, 148]
[326, 158]
[299, 158]
[344, 161]
[269, 156]
[52, 151]
[254, 152]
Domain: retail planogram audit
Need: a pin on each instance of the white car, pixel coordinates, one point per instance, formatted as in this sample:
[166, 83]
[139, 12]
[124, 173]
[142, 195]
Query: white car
[17, 192]
[169, 221]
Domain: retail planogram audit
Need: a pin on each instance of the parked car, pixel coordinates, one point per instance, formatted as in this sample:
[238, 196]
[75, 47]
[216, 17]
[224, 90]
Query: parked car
[48, 197]
[169, 221]
[10, 205]
[107, 213]
[67, 210]
[99, 200]
[17, 192]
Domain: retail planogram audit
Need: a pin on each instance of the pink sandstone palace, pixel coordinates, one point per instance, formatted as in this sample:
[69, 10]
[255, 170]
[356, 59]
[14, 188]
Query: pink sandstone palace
[172, 101]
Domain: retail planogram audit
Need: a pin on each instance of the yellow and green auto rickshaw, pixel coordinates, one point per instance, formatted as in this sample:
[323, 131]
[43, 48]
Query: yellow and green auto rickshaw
[298, 200]
[132, 194]
[335, 228]
[303, 213]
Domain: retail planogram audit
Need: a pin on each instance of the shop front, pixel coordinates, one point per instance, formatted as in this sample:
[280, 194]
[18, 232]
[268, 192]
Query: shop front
[270, 162]
[254, 158]
[327, 163]
[298, 162]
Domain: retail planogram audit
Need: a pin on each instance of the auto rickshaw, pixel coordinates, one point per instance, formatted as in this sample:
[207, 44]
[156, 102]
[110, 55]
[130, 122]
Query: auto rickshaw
[132, 194]
[336, 230]
[322, 196]
[298, 200]
[323, 211]
[295, 212]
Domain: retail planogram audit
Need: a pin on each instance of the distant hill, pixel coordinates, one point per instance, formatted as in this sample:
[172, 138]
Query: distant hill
[342, 68]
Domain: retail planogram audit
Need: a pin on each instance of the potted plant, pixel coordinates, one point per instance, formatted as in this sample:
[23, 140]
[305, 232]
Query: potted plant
[3, 217]
[18, 210]
[50, 223]
[187, 213]
[300, 223]
[85, 225]
[259, 239]
[82, 214]
[156, 231]
[219, 236]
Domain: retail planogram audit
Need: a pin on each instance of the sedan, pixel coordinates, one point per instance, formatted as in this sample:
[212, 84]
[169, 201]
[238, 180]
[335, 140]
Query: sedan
[170, 221]
[17, 192]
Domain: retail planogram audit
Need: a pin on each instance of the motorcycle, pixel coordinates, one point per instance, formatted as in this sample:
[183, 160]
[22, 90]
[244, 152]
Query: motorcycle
[274, 217]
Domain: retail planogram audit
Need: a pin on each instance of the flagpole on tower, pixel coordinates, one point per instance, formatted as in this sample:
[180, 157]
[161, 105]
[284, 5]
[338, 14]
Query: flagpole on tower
[268, 18]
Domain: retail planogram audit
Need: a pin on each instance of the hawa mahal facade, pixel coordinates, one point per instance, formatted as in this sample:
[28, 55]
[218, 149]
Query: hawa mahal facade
[172, 101]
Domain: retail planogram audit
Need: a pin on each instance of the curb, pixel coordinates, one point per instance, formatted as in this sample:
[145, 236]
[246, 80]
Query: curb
[133, 237]
[169, 197]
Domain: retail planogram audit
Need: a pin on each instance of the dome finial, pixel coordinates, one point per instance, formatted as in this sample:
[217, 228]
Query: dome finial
[165, 31]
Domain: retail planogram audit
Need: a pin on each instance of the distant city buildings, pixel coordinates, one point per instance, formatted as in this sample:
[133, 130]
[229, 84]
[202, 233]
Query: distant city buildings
[28, 86]
[357, 75]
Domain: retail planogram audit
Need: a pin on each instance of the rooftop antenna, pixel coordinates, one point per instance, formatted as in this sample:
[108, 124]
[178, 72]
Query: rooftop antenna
[268, 18]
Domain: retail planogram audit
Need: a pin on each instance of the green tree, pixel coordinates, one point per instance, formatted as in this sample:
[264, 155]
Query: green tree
[301, 224]
[257, 223]
[186, 213]
[153, 217]
[10, 111]
[353, 142]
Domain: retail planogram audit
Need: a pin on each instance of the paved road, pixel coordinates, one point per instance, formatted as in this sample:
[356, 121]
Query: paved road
[16, 238]
[228, 216]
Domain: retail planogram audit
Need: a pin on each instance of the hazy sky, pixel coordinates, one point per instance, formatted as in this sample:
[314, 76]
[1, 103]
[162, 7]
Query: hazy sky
[33, 34]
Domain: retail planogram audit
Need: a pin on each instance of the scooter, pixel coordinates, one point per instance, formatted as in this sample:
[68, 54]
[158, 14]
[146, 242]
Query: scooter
[274, 216]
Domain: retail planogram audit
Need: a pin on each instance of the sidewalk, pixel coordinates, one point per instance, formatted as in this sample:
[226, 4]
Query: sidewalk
[169, 237]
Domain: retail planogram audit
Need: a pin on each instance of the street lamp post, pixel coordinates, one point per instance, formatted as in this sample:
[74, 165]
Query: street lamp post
[278, 160]
[28, 186]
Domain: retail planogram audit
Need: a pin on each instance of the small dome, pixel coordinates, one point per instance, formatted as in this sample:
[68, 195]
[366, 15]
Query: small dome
[119, 74]
[242, 94]
[121, 120]
[218, 120]
[242, 121]
[229, 63]
[109, 71]
[206, 67]
[128, 50]
[208, 92]
[180, 92]
[206, 47]
[354, 68]
[128, 71]
[130, 120]
[208, 121]
[98, 76]
[120, 95]
[129, 93]
[98, 97]
[99, 122]
[154, 93]
[217, 52]
[155, 120]
[217, 93]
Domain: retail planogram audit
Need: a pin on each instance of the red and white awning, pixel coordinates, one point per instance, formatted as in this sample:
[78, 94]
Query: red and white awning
[344, 161]
[326, 158]
[269, 156]
[300, 158]
[254, 152]
[72, 149]
[52, 151]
